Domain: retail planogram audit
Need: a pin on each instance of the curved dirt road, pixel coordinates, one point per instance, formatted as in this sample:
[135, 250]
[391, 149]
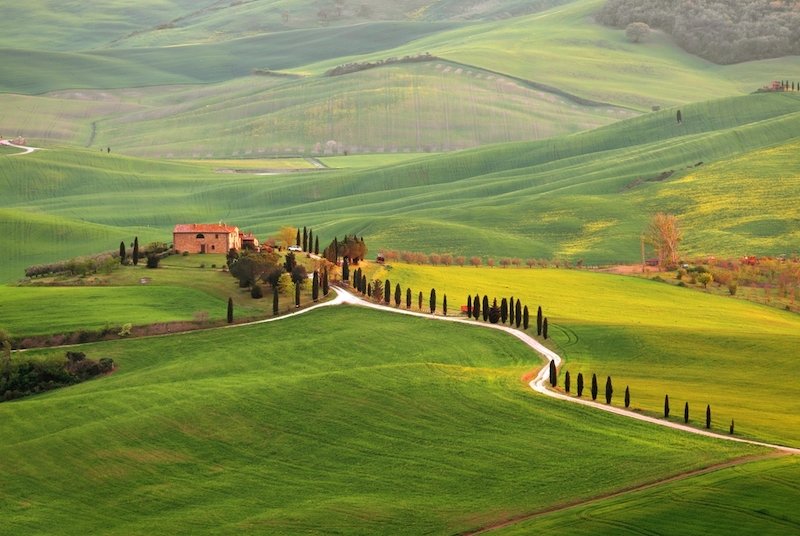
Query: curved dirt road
[25, 148]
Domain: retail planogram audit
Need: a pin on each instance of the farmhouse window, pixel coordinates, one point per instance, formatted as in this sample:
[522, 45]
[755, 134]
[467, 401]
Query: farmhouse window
[200, 235]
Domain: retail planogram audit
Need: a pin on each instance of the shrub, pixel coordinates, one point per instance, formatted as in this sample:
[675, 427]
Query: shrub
[732, 288]
[185, 254]
[256, 292]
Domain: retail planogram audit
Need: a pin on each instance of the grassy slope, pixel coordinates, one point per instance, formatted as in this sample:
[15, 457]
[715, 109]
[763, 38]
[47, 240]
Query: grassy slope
[757, 498]
[569, 196]
[658, 339]
[283, 428]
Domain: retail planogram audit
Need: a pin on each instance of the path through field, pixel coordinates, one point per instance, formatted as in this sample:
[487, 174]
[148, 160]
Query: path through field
[25, 149]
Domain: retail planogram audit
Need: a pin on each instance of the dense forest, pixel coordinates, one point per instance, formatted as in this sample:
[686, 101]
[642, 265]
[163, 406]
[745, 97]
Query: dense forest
[722, 31]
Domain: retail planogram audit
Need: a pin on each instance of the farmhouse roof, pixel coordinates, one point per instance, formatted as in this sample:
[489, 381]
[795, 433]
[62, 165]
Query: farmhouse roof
[204, 228]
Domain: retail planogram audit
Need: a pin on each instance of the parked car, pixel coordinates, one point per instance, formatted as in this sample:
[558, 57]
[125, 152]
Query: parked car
[295, 248]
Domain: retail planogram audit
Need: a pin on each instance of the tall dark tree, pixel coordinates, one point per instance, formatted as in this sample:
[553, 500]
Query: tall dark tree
[297, 240]
[485, 307]
[594, 386]
[476, 307]
[666, 406]
[230, 310]
[609, 390]
[310, 241]
[419, 301]
[525, 318]
[444, 305]
[275, 300]
[511, 303]
[289, 262]
[433, 300]
[627, 397]
[364, 285]
[122, 254]
[539, 318]
[518, 314]
[135, 258]
[503, 310]
[387, 291]
[686, 413]
[408, 298]
[580, 384]
[297, 295]
[566, 381]
[335, 252]
[305, 238]
[345, 270]
[315, 286]
[679, 117]
[469, 306]
[326, 284]
[398, 295]
[316, 245]
[494, 312]
[553, 373]
[731, 429]
[544, 328]
[708, 416]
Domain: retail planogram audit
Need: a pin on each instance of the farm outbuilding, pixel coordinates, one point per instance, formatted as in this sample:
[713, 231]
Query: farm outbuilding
[206, 238]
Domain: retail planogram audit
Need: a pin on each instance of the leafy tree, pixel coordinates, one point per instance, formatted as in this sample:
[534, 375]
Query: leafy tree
[580, 384]
[664, 234]
[408, 298]
[704, 279]
[666, 406]
[566, 381]
[315, 286]
[135, 250]
[289, 262]
[387, 291]
[539, 322]
[503, 310]
[594, 386]
[485, 307]
[153, 260]
[251, 266]
[525, 318]
[686, 413]
[122, 253]
[398, 295]
[553, 373]
[377, 290]
[231, 257]
[433, 300]
[627, 396]
[286, 234]
[444, 305]
[230, 310]
[345, 270]
[494, 312]
[636, 32]
[476, 307]
[708, 416]
[518, 314]
[544, 329]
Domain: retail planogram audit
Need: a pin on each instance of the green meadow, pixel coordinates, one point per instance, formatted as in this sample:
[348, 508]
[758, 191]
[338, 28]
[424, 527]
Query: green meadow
[317, 424]
[737, 356]
[755, 498]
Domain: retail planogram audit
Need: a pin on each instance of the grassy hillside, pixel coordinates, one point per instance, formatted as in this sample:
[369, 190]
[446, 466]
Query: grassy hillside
[306, 425]
[748, 499]
[656, 338]
[585, 196]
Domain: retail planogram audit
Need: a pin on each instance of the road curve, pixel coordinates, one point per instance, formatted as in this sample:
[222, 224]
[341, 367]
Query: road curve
[539, 383]
[25, 148]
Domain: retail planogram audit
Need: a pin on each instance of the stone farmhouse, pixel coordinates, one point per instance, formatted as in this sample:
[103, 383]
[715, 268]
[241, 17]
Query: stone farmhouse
[211, 238]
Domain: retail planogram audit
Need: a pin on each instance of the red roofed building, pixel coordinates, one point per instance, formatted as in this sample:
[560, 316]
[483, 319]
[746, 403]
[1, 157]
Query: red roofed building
[206, 238]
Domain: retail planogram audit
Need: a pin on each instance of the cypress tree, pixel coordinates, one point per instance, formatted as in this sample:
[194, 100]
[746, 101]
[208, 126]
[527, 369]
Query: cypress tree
[566, 381]
[345, 270]
[315, 286]
[444, 305]
[433, 300]
[305, 239]
[627, 397]
[686, 413]
[335, 252]
[275, 300]
[398, 295]
[122, 252]
[511, 303]
[316, 245]
[135, 250]
[580, 384]
[594, 386]
[518, 314]
[310, 241]
[503, 310]
[708, 416]
[679, 117]
[297, 240]
[731, 430]
[325, 283]
[230, 310]
[364, 285]
[525, 318]
[408, 298]
[539, 322]
[485, 307]
[469, 306]
[609, 390]
[666, 406]
[369, 290]
[387, 291]
[544, 328]
[476, 307]
[419, 301]
[494, 313]
[553, 373]
[297, 295]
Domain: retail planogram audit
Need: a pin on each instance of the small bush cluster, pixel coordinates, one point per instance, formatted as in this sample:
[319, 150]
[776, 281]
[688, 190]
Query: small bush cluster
[355, 67]
[102, 262]
[27, 376]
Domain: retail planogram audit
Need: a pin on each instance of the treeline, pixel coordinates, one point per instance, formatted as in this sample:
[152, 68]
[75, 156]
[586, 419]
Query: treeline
[446, 259]
[24, 377]
[90, 264]
[723, 31]
[354, 67]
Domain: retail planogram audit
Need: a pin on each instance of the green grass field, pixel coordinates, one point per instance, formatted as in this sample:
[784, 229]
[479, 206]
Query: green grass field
[308, 425]
[756, 498]
[656, 338]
